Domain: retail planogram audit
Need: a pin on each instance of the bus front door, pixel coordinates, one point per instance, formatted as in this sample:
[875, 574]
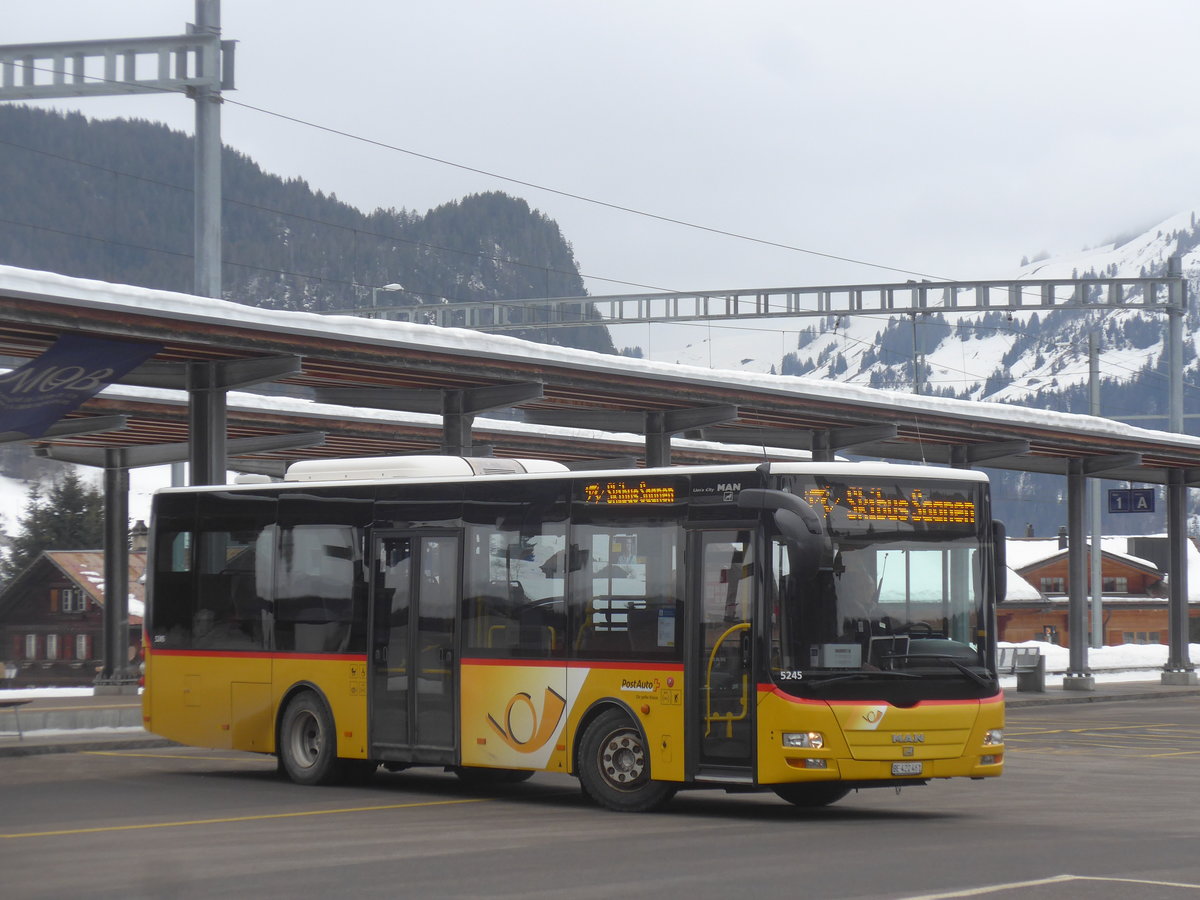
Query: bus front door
[723, 689]
[414, 592]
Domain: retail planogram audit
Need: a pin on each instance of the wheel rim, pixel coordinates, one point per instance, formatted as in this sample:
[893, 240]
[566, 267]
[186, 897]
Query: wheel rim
[622, 759]
[306, 739]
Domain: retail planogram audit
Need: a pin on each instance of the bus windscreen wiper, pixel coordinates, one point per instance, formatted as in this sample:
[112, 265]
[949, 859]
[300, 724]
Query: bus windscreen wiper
[974, 676]
[858, 676]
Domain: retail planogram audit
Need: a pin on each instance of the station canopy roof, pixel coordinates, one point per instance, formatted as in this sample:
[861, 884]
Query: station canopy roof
[776, 416]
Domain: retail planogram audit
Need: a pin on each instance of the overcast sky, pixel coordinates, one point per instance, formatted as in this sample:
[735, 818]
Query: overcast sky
[941, 137]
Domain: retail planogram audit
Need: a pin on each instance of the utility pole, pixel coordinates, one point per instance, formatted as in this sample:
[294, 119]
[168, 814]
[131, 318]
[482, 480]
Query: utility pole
[916, 357]
[1097, 528]
[198, 64]
[207, 95]
[1179, 668]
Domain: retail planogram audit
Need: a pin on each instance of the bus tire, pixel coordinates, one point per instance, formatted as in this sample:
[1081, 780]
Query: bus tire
[811, 795]
[483, 777]
[308, 742]
[614, 766]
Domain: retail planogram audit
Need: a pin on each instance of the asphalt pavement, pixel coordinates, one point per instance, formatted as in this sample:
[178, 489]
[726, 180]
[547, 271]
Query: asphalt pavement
[107, 722]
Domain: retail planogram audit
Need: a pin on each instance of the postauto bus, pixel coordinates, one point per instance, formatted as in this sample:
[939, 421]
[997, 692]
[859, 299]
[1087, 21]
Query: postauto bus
[802, 628]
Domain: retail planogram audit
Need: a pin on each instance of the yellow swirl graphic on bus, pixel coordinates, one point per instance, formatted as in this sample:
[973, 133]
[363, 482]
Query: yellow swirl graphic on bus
[543, 728]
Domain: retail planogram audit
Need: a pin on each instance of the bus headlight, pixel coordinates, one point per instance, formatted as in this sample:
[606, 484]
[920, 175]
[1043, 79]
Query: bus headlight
[808, 740]
[993, 736]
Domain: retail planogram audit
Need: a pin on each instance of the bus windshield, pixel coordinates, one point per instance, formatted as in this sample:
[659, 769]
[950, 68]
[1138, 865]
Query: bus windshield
[898, 594]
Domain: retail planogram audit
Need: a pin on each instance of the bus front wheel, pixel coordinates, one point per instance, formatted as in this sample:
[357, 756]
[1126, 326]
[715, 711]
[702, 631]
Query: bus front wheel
[810, 796]
[614, 766]
[307, 741]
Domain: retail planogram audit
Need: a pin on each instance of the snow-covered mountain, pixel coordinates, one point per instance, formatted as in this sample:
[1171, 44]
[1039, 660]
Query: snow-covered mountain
[1035, 358]
[1030, 358]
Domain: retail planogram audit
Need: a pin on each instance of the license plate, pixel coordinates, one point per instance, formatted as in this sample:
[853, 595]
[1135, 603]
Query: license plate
[907, 768]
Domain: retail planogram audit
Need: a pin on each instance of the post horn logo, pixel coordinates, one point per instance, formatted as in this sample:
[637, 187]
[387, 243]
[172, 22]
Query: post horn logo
[544, 727]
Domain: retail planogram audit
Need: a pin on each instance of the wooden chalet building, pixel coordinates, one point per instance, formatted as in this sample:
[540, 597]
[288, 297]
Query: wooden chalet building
[1134, 591]
[52, 619]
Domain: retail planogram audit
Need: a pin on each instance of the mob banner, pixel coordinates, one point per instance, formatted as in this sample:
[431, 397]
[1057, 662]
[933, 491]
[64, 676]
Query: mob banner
[76, 367]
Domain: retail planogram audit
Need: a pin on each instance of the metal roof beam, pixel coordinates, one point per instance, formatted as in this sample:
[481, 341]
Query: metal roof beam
[784, 438]
[70, 428]
[458, 408]
[469, 400]
[163, 454]
[829, 440]
[963, 456]
[1094, 466]
[657, 425]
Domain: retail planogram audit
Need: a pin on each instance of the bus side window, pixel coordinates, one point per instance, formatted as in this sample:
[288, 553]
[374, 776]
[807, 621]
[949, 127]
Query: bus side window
[229, 600]
[626, 593]
[316, 601]
[513, 596]
[173, 594]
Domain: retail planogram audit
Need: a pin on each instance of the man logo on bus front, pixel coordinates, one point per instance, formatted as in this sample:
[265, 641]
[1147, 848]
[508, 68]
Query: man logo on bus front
[543, 729]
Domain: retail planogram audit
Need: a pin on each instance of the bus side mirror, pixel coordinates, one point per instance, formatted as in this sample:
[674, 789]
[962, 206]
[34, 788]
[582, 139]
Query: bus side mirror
[1000, 559]
[796, 520]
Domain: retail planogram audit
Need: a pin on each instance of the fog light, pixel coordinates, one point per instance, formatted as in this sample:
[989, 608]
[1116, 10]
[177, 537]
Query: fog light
[988, 760]
[809, 740]
[994, 736]
[816, 764]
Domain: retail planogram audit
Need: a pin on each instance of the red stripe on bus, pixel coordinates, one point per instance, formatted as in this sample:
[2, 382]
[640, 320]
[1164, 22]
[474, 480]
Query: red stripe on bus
[773, 689]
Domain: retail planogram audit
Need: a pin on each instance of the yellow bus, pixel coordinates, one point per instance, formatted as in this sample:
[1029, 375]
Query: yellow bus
[802, 628]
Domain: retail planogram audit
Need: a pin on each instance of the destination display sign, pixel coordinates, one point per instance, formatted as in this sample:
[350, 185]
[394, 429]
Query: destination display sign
[618, 491]
[877, 503]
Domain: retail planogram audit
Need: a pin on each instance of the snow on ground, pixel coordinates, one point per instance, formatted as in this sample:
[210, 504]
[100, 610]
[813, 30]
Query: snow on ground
[1109, 665]
[54, 692]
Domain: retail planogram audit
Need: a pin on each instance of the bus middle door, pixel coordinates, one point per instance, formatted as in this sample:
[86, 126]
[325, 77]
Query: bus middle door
[413, 671]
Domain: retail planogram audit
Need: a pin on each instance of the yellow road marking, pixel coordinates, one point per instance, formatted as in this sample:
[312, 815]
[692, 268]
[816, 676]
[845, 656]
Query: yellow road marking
[171, 756]
[225, 821]
[1087, 728]
[1040, 882]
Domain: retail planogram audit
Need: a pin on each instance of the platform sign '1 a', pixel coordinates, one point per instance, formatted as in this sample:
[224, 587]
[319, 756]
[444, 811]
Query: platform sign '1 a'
[1131, 500]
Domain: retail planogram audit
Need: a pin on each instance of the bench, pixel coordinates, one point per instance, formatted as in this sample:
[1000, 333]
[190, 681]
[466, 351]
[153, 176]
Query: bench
[14, 705]
[1027, 663]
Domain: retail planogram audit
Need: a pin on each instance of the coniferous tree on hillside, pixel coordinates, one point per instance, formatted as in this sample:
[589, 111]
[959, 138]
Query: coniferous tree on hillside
[65, 514]
[113, 200]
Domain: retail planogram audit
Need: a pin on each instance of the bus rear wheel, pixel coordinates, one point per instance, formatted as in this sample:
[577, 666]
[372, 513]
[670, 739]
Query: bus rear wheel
[614, 767]
[308, 742]
[810, 796]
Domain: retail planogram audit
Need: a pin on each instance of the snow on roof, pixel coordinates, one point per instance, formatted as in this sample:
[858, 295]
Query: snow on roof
[186, 307]
[1017, 588]
[1024, 552]
[84, 567]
